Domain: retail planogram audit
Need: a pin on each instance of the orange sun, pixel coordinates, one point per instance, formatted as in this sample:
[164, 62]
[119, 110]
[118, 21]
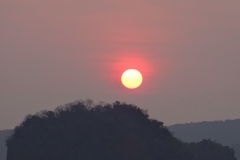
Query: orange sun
[132, 78]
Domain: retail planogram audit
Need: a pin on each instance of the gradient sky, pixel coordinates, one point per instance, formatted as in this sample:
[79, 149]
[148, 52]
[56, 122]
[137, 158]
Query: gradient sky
[53, 52]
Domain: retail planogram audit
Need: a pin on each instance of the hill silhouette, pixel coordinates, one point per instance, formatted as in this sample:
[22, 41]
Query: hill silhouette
[225, 132]
[3, 149]
[120, 131]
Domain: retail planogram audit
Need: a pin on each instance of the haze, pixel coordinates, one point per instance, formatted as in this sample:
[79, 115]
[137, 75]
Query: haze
[55, 52]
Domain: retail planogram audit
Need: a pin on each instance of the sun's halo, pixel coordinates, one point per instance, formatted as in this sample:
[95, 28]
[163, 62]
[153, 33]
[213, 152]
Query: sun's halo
[132, 78]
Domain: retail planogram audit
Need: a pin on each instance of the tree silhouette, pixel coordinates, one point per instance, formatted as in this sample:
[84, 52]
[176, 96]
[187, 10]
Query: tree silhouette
[120, 131]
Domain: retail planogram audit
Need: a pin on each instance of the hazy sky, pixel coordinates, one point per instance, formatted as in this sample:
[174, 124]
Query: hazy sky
[53, 52]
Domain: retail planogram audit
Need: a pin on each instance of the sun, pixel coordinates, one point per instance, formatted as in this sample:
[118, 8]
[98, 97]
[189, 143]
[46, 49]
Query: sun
[132, 78]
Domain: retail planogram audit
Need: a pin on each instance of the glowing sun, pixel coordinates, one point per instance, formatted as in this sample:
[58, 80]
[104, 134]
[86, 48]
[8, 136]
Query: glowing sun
[132, 78]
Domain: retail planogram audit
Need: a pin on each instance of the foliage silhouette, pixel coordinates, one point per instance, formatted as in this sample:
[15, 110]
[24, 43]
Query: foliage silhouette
[120, 131]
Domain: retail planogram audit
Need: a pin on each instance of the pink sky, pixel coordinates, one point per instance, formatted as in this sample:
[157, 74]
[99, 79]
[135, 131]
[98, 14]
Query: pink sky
[56, 52]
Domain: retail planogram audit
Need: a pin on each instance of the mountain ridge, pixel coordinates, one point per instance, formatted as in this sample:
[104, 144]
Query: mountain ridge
[225, 132]
[4, 134]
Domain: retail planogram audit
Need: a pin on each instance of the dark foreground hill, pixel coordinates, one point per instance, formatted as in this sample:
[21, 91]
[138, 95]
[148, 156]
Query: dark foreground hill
[225, 132]
[103, 132]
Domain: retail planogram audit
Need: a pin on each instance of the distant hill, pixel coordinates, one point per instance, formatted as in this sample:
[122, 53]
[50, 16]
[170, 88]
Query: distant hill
[3, 149]
[225, 132]
[236, 147]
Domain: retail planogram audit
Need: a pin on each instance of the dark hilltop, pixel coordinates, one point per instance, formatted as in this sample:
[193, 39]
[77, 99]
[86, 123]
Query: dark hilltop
[118, 131]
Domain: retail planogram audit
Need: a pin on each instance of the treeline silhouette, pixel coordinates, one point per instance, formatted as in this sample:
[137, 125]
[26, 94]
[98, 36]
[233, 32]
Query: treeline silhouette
[120, 131]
